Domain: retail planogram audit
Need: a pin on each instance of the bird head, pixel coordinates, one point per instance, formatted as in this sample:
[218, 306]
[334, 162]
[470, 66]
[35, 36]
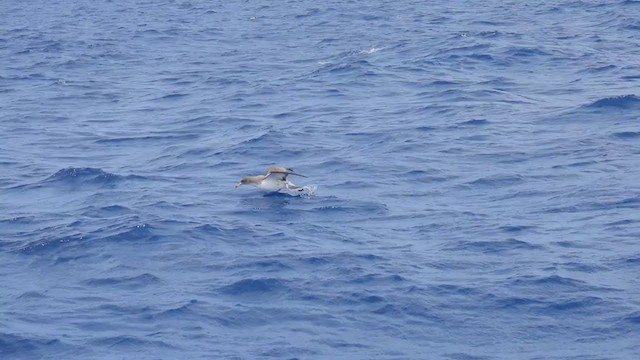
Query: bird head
[244, 181]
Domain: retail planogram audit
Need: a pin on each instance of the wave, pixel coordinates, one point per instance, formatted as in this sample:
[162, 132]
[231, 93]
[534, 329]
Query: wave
[553, 283]
[86, 176]
[173, 96]
[42, 246]
[497, 246]
[83, 175]
[580, 304]
[632, 260]
[516, 302]
[32, 295]
[20, 347]
[515, 228]
[417, 311]
[627, 135]
[624, 203]
[126, 282]
[180, 312]
[265, 265]
[120, 232]
[138, 233]
[525, 52]
[475, 122]
[633, 318]
[617, 102]
[465, 356]
[497, 181]
[108, 210]
[254, 287]
[148, 138]
[131, 343]
[352, 207]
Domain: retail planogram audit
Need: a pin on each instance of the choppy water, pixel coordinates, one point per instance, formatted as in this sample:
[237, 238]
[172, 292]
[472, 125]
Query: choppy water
[477, 166]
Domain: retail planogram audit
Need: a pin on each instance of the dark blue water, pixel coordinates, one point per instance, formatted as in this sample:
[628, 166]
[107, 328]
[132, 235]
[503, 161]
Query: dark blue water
[477, 165]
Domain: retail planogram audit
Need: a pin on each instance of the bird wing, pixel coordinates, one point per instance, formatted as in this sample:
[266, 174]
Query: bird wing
[277, 175]
[282, 171]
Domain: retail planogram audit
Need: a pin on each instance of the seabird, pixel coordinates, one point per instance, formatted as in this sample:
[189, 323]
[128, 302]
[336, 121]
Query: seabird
[275, 180]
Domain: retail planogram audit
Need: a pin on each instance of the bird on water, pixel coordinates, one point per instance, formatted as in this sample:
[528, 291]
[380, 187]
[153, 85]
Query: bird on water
[274, 180]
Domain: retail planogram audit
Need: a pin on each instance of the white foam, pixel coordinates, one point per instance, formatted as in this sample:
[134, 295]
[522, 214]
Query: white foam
[307, 191]
[371, 51]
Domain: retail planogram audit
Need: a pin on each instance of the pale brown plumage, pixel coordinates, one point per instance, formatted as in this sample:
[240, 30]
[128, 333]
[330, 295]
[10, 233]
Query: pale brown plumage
[282, 170]
[274, 180]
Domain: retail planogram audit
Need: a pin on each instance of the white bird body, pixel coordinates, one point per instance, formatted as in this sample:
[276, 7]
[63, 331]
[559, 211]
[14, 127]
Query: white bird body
[275, 180]
[270, 183]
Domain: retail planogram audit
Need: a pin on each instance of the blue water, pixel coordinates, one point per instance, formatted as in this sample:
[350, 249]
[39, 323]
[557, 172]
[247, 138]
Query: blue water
[477, 166]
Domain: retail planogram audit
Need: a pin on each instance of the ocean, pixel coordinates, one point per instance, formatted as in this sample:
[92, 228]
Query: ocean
[476, 167]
